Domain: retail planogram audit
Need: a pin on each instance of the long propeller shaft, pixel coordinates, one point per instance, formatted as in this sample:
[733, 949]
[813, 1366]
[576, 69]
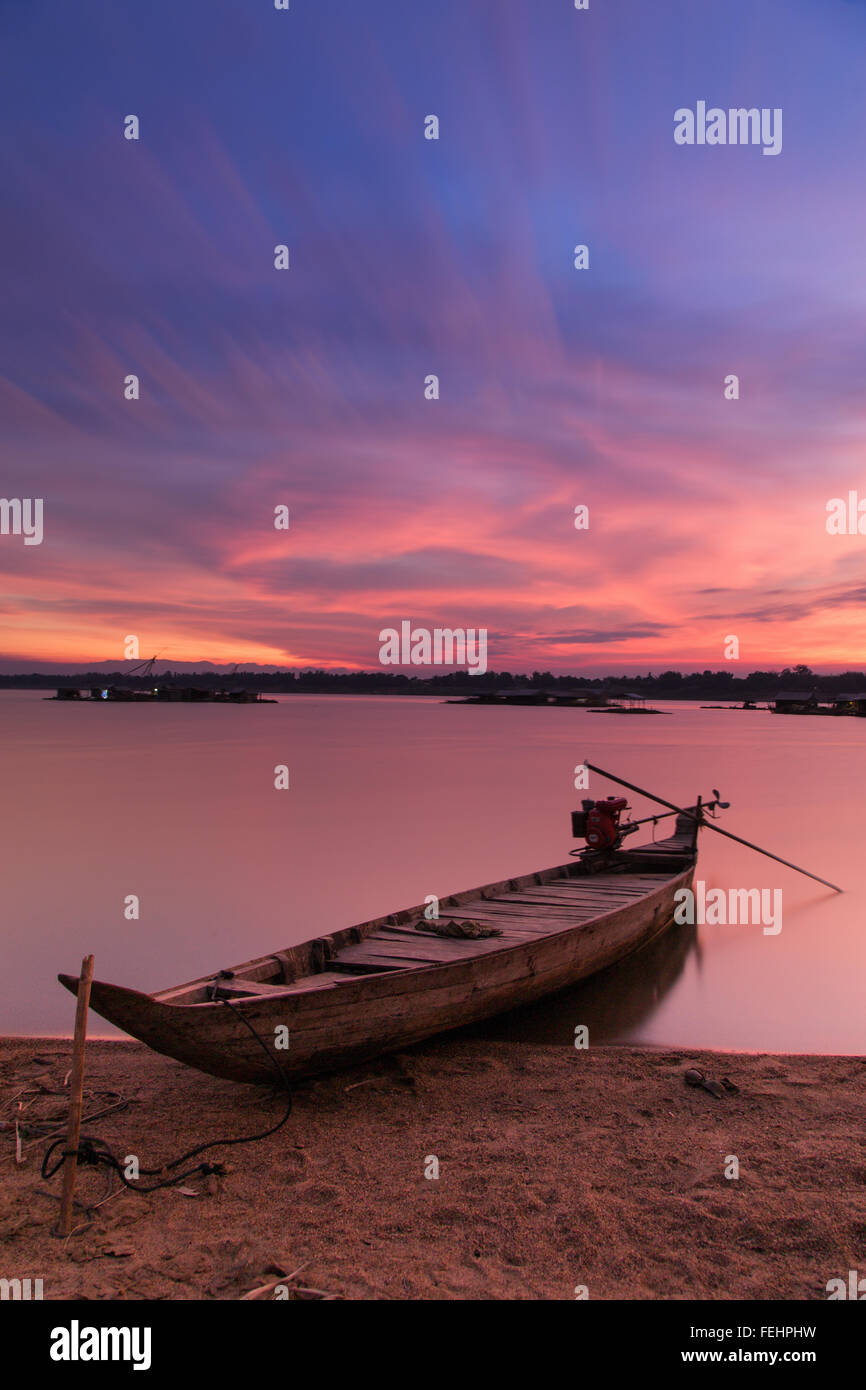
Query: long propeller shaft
[641, 791]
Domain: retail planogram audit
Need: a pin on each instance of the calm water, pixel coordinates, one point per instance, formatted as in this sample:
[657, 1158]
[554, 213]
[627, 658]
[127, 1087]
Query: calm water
[392, 799]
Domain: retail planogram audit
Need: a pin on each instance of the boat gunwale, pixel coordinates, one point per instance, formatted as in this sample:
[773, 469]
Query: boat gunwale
[539, 878]
[367, 982]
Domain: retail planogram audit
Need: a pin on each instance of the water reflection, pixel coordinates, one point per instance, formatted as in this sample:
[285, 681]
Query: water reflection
[613, 1004]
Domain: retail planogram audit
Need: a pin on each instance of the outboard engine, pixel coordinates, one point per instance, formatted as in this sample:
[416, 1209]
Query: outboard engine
[598, 822]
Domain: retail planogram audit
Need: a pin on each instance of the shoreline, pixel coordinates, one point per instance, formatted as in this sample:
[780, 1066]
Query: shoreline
[685, 1049]
[557, 1169]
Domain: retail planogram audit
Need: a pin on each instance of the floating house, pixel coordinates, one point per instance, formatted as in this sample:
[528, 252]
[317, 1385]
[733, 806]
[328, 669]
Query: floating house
[798, 702]
[166, 694]
[624, 699]
[850, 703]
[530, 695]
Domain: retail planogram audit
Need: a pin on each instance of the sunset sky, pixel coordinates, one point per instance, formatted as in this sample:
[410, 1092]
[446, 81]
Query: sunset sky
[410, 257]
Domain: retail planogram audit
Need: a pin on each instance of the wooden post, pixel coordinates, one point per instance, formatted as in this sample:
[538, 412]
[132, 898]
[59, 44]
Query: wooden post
[76, 1087]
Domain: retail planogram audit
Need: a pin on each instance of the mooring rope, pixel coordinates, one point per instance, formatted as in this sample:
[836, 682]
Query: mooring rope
[94, 1152]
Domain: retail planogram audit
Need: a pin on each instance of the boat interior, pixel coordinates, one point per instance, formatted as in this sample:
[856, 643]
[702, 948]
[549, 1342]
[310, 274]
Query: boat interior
[520, 910]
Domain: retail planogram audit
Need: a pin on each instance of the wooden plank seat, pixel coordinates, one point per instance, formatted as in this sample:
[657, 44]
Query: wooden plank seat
[238, 988]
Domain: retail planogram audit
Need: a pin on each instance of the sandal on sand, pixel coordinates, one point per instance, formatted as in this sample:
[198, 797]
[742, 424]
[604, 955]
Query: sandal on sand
[694, 1077]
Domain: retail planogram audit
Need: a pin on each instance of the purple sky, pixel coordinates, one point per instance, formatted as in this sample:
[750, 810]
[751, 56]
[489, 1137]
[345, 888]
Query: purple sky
[408, 257]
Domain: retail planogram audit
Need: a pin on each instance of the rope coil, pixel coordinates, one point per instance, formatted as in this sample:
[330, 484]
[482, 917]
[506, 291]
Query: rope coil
[94, 1152]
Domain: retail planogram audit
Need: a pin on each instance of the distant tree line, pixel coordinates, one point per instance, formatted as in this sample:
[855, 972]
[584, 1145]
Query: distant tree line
[668, 685]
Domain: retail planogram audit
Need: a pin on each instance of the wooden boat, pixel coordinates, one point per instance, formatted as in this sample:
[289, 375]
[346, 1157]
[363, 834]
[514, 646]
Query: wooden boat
[388, 983]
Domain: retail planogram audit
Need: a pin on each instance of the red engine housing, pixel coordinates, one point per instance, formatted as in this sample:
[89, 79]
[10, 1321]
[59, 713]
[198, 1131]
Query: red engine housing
[602, 822]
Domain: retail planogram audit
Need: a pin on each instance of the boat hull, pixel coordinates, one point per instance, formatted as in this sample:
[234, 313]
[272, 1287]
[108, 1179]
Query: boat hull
[337, 1025]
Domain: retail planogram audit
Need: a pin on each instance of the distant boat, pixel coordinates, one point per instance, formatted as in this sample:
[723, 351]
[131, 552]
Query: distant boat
[629, 709]
[747, 704]
[393, 981]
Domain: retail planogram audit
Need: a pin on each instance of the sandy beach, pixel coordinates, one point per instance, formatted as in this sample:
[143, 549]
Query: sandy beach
[557, 1169]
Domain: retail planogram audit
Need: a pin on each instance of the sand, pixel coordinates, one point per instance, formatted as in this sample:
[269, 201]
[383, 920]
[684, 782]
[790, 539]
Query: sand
[557, 1169]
